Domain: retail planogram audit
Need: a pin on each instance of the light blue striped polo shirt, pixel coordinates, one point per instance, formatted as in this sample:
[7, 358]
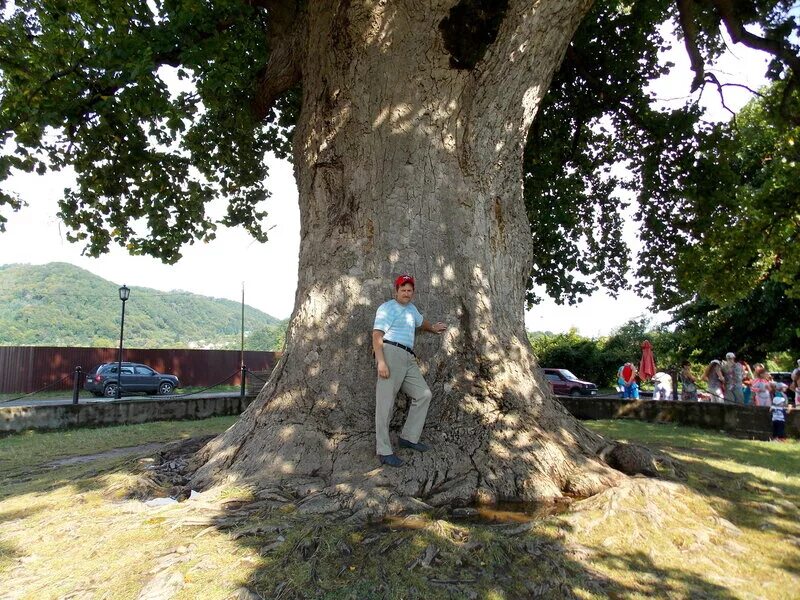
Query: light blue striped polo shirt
[398, 322]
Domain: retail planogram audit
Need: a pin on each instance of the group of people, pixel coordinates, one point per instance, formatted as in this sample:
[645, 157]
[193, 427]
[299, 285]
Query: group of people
[726, 381]
[734, 381]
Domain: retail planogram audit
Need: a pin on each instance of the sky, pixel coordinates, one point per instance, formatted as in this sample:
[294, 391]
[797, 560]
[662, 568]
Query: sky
[268, 271]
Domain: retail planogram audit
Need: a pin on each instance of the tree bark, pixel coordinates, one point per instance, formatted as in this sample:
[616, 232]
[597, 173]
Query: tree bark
[406, 164]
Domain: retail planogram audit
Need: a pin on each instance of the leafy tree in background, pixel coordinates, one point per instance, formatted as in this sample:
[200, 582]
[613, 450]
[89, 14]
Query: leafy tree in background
[755, 327]
[734, 268]
[742, 215]
[271, 337]
[571, 351]
[407, 124]
[598, 135]
[598, 359]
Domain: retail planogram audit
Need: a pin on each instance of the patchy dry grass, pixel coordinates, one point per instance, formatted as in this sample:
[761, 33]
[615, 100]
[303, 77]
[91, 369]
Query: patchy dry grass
[746, 492]
[728, 529]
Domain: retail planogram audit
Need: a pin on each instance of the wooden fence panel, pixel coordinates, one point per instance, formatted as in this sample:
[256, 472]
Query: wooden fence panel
[24, 369]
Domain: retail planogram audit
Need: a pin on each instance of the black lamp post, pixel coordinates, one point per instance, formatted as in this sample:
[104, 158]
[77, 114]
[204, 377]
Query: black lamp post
[124, 294]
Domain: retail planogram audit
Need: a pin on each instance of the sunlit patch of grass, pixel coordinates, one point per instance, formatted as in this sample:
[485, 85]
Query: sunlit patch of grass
[79, 538]
[753, 486]
[244, 493]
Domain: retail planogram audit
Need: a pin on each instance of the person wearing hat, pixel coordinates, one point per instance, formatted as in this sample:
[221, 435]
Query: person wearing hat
[779, 409]
[396, 322]
[733, 373]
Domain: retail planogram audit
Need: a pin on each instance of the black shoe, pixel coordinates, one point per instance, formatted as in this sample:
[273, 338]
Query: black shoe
[419, 446]
[391, 460]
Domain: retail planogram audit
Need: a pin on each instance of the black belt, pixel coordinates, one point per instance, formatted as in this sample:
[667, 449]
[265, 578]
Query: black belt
[406, 348]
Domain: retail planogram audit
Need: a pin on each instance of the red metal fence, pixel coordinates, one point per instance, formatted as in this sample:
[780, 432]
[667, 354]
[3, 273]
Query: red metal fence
[25, 369]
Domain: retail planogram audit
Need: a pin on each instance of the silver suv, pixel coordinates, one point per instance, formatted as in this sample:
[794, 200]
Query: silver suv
[103, 380]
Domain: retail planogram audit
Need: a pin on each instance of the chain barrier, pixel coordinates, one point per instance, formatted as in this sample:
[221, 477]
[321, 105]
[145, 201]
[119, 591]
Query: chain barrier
[40, 390]
[231, 376]
[252, 375]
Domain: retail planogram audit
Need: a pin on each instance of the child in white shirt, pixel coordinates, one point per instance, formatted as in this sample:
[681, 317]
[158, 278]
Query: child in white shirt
[779, 410]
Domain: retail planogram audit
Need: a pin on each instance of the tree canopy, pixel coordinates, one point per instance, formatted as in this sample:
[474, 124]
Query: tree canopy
[742, 209]
[87, 85]
[162, 107]
[599, 133]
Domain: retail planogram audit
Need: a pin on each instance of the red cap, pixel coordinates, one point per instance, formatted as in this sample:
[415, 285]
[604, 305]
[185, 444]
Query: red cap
[402, 280]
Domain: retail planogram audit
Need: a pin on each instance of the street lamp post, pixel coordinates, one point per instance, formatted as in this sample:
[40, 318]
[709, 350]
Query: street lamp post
[124, 294]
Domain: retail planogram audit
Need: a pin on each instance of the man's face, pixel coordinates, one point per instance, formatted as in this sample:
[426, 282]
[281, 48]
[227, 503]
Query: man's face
[405, 293]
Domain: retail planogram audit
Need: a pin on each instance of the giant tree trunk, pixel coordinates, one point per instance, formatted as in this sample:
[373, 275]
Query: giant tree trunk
[407, 164]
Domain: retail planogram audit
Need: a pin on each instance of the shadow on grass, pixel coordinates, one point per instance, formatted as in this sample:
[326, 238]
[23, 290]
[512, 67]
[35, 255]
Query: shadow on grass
[421, 557]
[13, 515]
[655, 581]
[83, 477]
[781, 458]
[750, 501]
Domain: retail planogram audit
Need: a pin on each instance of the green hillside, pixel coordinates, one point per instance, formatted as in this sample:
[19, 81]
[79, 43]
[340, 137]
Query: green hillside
[59, 304]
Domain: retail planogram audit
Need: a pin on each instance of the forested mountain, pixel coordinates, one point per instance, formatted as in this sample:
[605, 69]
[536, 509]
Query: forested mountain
[59, 304]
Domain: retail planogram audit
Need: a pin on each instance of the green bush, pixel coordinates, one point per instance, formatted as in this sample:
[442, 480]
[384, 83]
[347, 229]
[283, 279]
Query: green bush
[598, 359]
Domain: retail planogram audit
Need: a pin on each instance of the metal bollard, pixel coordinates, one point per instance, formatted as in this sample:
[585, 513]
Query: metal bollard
[76, 384]
[244, 379]
[675, 395]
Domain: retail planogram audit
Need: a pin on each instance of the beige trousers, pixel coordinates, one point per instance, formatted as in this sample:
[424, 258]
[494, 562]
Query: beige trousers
[403, 375]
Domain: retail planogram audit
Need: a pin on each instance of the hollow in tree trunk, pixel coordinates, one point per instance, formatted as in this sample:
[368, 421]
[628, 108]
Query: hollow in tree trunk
[408, 159]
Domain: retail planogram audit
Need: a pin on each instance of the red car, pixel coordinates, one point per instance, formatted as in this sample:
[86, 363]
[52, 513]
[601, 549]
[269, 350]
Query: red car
[565, 383]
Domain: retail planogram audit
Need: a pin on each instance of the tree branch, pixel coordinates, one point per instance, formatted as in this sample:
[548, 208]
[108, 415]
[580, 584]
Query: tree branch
[285, 26]
[689, 28]
[711, 78]
[739, 85]
[607, 94]
[777, 48]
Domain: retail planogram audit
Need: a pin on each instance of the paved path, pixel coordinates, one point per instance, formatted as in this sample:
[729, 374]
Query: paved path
[83, 399]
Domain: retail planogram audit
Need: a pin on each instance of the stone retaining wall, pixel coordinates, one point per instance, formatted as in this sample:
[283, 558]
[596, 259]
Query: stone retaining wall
[741, 421]
[118, 412]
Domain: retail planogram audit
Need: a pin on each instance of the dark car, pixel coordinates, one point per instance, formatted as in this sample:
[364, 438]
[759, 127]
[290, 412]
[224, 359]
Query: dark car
[565, 383]
[102, 380]
[781, 376]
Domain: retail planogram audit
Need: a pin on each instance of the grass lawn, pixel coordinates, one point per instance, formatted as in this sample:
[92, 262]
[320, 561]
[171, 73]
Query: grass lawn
[726, 528]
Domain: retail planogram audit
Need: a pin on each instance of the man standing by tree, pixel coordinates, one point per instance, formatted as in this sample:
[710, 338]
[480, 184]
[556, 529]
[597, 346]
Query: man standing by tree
[393, 342]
